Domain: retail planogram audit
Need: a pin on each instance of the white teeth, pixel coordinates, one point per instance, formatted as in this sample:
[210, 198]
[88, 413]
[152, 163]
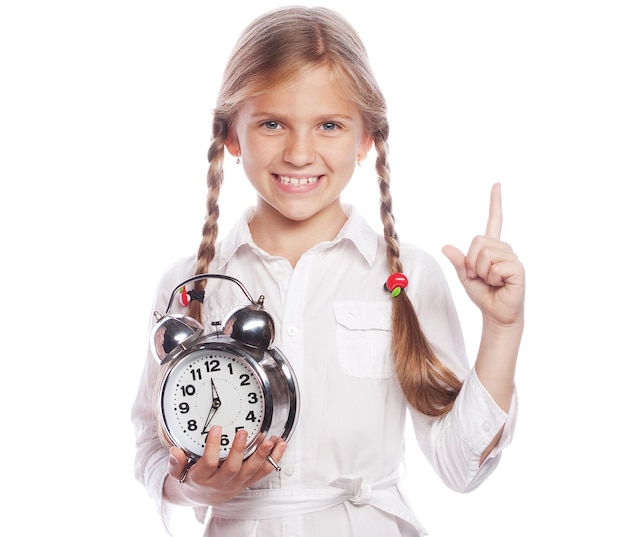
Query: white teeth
[294, 181]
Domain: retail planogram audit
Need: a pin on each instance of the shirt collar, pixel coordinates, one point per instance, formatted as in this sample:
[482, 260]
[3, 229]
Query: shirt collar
[356, 230]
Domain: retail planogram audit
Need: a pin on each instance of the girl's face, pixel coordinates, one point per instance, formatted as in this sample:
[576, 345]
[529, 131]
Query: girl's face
[299, 145]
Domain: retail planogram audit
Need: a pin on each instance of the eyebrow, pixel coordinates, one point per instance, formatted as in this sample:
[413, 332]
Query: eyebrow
[321, 117]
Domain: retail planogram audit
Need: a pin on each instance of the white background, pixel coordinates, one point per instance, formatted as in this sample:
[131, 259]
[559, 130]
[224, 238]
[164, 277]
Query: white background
[105, 113]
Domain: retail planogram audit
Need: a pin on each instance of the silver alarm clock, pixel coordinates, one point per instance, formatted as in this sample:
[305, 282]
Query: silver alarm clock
[233, 377]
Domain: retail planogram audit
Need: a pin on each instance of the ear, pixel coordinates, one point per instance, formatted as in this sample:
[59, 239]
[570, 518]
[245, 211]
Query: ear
[232, 144]
[364, 147]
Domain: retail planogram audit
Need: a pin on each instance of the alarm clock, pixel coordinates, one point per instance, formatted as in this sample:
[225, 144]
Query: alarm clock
[233, 377]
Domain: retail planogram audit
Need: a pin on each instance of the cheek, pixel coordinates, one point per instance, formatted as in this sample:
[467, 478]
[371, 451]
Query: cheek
[344, 151]
[349, 155]
[260, 148]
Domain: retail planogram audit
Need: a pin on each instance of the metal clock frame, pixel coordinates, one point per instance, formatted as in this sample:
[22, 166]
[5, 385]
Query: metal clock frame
[270, 366]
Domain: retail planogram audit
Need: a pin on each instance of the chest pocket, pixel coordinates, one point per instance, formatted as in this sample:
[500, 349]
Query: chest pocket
[364, 338]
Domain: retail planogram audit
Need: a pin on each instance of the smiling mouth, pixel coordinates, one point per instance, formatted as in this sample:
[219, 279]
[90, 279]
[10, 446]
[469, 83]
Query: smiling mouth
[297, 181]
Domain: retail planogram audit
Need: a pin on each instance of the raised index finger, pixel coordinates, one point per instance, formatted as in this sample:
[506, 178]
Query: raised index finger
[494, 222]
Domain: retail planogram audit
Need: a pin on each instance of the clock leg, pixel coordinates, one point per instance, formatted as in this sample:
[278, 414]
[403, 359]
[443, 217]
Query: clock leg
[189, 464]
[273, 463]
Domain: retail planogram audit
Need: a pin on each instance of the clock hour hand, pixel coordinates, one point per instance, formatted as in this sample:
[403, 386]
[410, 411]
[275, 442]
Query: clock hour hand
[215, 404]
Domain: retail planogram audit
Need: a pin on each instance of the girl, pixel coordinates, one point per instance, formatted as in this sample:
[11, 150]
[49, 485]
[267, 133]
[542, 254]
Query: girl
[298, 108]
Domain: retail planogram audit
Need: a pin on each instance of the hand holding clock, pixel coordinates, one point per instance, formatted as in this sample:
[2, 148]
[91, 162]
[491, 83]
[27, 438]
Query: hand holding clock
[208, 482]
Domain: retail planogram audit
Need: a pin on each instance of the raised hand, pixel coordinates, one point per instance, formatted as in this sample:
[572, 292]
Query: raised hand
[490, 272]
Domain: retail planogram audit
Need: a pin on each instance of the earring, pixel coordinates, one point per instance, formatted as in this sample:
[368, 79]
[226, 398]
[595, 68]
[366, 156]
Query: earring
[358, 162]
[238, 160]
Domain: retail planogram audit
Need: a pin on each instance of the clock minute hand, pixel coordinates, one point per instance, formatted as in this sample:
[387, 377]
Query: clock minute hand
[215, 404]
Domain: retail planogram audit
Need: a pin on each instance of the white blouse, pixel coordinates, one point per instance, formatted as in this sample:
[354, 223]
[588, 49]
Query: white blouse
[332, 318]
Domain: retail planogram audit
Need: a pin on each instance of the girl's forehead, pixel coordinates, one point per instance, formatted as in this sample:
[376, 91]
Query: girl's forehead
[321, 77]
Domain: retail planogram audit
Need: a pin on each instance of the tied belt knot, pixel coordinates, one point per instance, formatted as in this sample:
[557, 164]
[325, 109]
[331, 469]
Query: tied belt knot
[358, 493]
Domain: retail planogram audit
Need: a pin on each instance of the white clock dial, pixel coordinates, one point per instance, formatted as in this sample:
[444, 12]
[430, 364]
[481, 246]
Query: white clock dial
[212, 387]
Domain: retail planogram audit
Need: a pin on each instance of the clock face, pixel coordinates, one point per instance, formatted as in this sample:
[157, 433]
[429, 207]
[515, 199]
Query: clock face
[212, 387]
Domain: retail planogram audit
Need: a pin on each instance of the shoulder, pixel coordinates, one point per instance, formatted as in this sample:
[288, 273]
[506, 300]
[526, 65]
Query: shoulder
[425, 274]
[417, 261]
[414, 255]
[179, 270]
[172, 277]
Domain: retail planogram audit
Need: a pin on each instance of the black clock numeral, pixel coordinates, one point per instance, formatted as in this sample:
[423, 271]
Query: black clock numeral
[253, 398]
[225, 441]
[196, 374]
[245, 379]
[212, 366]
[251, 416]
[188, 390]
[183, 408]
[192, 425]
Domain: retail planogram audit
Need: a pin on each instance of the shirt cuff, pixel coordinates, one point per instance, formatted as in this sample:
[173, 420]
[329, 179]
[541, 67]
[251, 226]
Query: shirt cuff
[478, 418]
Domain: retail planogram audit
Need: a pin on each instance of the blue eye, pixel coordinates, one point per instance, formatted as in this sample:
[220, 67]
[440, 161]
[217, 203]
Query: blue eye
[329, 126]
[273, 125]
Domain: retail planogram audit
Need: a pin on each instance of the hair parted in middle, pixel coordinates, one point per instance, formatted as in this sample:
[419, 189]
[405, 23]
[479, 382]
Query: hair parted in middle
[273, 50]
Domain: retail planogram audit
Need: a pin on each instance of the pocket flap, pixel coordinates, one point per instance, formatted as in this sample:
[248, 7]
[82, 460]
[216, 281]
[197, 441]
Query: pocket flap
[355, 315]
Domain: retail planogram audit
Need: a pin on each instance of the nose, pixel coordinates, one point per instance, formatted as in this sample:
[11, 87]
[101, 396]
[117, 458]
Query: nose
[299, 149]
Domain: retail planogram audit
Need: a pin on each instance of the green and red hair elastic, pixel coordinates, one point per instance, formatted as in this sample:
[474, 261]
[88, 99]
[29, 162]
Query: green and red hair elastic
[395, 283]
[186, 296]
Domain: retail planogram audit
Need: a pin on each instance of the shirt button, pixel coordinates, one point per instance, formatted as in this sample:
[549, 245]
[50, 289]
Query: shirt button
[292, 330]
[486, 426]
[290, 470]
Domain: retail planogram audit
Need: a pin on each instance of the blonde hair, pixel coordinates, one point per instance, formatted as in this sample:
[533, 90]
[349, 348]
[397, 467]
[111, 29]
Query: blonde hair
[277, 47]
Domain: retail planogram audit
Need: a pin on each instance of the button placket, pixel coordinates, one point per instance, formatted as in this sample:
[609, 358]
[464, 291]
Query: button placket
[293, 293]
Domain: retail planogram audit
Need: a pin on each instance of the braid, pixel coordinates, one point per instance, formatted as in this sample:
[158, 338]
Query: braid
[206, 250]
[427, 384]
[386, 212]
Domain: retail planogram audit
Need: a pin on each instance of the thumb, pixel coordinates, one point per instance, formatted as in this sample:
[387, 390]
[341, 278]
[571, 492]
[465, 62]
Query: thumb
[457, 258]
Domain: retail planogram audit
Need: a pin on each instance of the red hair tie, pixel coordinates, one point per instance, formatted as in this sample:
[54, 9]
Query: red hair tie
[395, 283]
[184, 297]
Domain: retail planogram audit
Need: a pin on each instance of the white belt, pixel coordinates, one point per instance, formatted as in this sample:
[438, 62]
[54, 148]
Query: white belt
[281, 503]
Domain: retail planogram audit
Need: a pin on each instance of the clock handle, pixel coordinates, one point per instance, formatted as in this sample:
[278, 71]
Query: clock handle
[220, 276]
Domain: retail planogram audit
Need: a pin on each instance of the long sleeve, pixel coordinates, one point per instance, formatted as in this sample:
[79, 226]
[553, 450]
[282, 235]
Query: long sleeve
[454, 443]
[151, 456]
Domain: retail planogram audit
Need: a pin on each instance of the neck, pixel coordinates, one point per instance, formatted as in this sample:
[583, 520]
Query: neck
[280, 236]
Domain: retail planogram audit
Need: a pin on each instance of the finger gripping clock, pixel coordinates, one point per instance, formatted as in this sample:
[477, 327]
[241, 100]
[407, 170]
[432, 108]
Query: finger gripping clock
[233, 377]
